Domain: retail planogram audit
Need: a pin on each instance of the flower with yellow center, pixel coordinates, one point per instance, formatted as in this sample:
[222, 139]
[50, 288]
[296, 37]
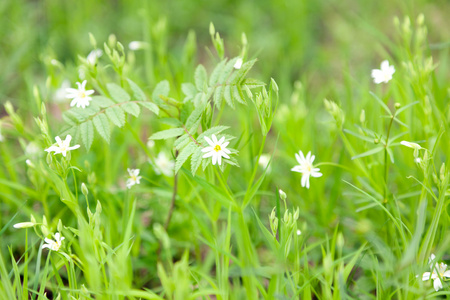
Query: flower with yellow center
[80, 96]
[306, 167]
[438, 272]
[134, 177]
[54, 245]
[217, 149]
[63, 146]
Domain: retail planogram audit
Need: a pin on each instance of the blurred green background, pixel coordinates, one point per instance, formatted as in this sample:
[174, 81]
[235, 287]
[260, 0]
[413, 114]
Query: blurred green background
[321, 42]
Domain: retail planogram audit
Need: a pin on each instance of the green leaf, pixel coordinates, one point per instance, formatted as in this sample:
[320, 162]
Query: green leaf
[196, 160]
[150, 106]
[216, 73]
[117, 93]
[87, 134]
[167, 134]
[238, 95]
[131, 108]
[385, 107]
[367, 153]
[227, 96]
[102, 101]
[101, 124]
[184, 155]
[162, 88]
[137, 92]
[213, 130]
[253, 83]
[200, 77]
[116, 115]
[189, 90]
[195, 115]
[218, 94]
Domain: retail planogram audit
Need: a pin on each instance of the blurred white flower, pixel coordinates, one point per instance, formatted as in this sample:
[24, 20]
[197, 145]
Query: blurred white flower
[306, 167]
[137, 45]
[23, 225]
[414, 146]
[217, 149]
[384, 74]
[151, 143]
[59, 95]
[134, 177]
[299, 232]
[264, 161]
[32, 150]
[238, 63]
[164, 165]
[438, 271]
[63, 146]
[54, 245]
[80, 96]
[93, 56]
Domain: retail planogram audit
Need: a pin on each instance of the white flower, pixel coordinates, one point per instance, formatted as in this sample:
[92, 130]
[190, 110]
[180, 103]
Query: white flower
[80, 96]
[164, 165]
[264, 161]
[151, 143]
[299, 232]
[306, 167]
[23, 225]
[414, 146]
[134, 177]
[60, 94]
[384, 74]
[54, 244]
[137, 45]
[438, 271]
[238, 63]
[217, 149]
[93, 56]
[63, 146]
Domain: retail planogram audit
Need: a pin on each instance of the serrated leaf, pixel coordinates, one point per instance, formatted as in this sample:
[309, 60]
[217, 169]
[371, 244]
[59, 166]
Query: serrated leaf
[214, 78]
[189, 90]
[218, 94]
[200, 77]
[196, 160]
[226, 71]
[131, 108]
[195, 115]
[171, 121]
[102, 101]
[243, 71]
[87, 134]
[101, 124]
[213, 130]
[253, 83]
[138, 93]
[238, 95]
[150, 106]
[227, 96]
[167, 134]
[181, 142]
[116, 115]
[184, 155]
[117, 93]
[162, 88]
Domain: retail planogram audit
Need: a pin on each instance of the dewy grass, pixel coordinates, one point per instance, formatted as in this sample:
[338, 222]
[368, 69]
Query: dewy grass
[172, 179]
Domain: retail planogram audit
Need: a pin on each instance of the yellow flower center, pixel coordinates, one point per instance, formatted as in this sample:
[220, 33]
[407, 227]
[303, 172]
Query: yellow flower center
[217, 148]
[82, 95]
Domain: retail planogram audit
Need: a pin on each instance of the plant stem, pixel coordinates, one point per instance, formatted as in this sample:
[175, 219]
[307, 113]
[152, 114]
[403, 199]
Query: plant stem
[174, 196]
[386, 168]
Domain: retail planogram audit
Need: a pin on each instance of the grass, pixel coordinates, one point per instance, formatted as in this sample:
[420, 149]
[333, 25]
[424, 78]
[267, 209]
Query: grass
[363, 230]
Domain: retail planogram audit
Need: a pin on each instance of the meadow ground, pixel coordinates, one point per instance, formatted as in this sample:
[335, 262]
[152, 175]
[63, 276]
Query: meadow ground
[224, 149]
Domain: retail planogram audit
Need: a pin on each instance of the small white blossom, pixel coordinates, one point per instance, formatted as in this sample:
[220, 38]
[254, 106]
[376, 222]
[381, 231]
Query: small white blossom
[384, 74]
[299, 232]
[93, 56]
[54, 245]
[80, 96]
[306, 167]
[137, 45]
[151, 143]
[59, 95]
[62, 146]
[217, 149]
[164, 165]
[23, 225]
[134, 177]
[438, 271]
[414, 146]
[238, 63]
[263, 161]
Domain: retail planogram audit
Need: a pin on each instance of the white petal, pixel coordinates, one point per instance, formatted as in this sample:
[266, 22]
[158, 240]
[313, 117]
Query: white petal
[297, 169]
[426, 276]
[224, 154]
[89, 92]
[225, 144]
[74, 102]
[214, 159]
[58, 140]
[304, 179]
[437, 284]
[208, 140]
[52, 148]
[45, 246]
[308, 156]
[219, 159]
[384, 65]
[302, 157]
[208, 149]
[221, 140]
[73, 147]
[209, 154]
[298, 158]
[447, 274]
[214, 138]
[316, 174]
[226, 150]
[83, 84]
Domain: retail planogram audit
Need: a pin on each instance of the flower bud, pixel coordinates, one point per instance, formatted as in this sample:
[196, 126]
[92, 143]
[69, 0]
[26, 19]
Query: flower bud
[84, 189]
[23, 225]
[60, 226]
[283, 195]
[442, 172]
[362, 116]
[92, 40]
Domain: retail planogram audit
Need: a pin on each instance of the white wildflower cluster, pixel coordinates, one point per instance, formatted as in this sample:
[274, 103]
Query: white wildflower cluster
[438, 273]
